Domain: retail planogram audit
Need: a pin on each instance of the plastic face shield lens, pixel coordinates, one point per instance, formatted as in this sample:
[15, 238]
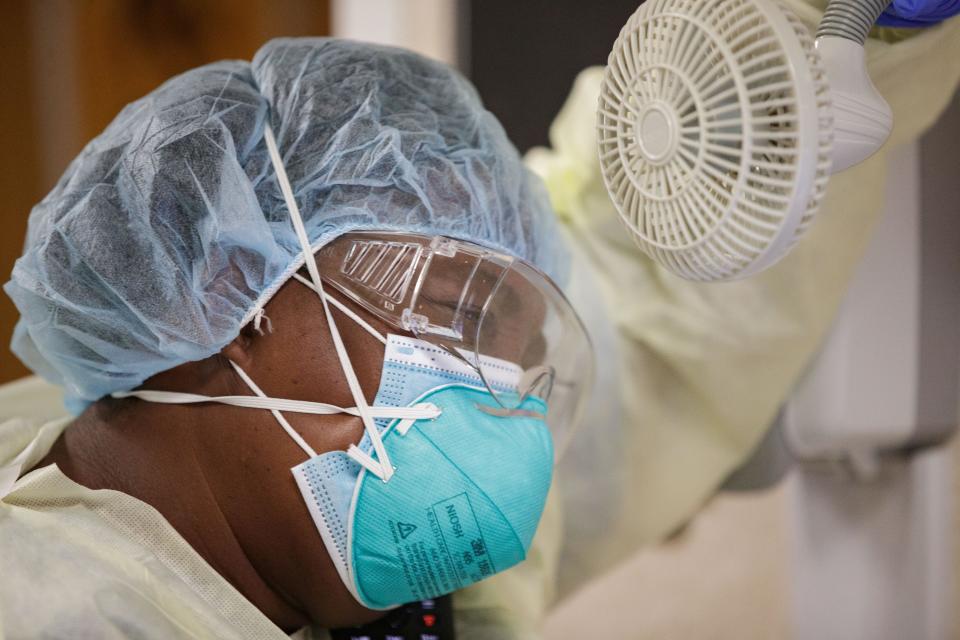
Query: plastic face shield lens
[502, 317]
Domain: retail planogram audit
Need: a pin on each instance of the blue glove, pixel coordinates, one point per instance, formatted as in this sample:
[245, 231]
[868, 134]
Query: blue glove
[918, 13]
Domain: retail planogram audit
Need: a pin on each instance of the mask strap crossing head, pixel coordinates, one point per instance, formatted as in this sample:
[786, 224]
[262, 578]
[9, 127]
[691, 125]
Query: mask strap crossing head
[366, 326]
[380, 466]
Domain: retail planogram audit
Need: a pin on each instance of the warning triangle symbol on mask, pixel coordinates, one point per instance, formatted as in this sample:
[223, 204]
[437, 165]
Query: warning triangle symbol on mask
[405, 529]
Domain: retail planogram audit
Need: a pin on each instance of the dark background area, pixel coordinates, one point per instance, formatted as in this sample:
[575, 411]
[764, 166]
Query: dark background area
[524, 55]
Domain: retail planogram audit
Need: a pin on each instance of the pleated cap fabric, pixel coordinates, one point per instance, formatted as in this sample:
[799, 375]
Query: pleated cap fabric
[169, 231]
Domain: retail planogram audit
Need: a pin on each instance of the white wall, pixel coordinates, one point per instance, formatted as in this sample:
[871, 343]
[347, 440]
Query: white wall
[428, 27]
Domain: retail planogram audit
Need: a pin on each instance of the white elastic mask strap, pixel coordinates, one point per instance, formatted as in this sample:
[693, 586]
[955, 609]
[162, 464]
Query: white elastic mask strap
[276, 414]
[382, 467]
[419, 412]
[345, 310]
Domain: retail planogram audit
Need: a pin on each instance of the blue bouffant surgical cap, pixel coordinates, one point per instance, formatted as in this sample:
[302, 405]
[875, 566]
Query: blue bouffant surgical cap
[169, 231]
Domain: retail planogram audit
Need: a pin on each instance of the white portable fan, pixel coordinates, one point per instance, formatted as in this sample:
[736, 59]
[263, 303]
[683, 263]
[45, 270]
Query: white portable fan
[719, 122]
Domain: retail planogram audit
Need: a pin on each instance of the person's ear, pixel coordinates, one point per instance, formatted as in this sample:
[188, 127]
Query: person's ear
[239, 350]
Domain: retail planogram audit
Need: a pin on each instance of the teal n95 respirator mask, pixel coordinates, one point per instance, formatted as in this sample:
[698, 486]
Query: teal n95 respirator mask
[466, 496]
[450, 479]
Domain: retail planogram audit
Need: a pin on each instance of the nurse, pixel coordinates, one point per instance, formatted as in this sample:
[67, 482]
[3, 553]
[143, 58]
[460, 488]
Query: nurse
[304, 311]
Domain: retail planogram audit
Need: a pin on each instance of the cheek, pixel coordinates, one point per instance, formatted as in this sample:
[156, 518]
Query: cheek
[330, 433]
[299, 361]
[366, 356]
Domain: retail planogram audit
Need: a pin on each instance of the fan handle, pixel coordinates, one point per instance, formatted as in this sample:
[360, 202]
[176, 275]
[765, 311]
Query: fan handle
[862, 118]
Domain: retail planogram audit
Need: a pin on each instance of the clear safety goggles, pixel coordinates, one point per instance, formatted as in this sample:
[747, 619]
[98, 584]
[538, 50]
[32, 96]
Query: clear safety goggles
[487, 309]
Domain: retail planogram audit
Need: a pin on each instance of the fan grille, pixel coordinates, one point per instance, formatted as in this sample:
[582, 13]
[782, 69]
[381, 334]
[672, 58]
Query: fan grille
[702, 144]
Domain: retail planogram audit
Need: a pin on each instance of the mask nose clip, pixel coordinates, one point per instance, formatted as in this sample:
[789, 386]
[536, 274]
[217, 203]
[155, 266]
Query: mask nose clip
[502, 412]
